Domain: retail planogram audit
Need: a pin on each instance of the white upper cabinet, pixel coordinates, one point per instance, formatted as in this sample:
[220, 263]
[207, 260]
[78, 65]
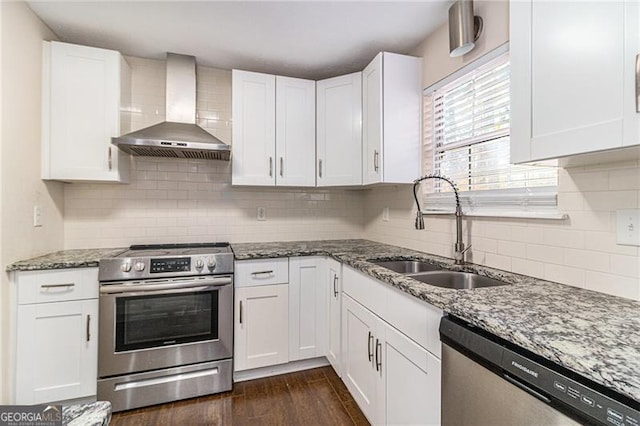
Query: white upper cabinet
[339, 131]
[391, 99]
[572, 78]
[273, 130]
[295, 131]
[254, 131]
[83, 91]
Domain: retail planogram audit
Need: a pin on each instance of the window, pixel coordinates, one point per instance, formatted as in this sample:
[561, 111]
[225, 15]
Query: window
[466, 138]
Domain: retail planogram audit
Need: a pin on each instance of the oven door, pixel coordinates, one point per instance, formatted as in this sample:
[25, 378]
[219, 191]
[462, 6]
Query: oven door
[153, 324]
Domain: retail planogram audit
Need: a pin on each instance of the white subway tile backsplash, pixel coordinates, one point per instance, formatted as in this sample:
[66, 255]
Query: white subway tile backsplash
[588, 260]
[612, 284]
[510, 248]
[564, 274]
[527, 267]
[563, 238]
[628, 266]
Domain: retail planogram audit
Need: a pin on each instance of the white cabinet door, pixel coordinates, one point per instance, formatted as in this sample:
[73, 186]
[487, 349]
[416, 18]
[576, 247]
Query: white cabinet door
[391, 122]
[339, 131]
[408, 380]
[57, 351]
[372, 121]
[261, 326]
[254, 137]
[572, 77]
[334, 314]
[307, 307]
[83, 89]
[358, 334]
[295, 132]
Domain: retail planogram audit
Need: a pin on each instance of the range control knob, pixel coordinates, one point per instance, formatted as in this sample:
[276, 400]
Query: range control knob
[211, 264]
[126, 267]
[199, 264]
[139, 266]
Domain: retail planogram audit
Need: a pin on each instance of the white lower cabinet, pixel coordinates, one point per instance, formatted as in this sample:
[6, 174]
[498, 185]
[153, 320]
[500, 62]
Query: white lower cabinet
[390, 352]
[56, 348]
[393, 379]
[307, 308]
[261, 326]
[408, 387]
[56, 351]
[334, 314]
[358, 369]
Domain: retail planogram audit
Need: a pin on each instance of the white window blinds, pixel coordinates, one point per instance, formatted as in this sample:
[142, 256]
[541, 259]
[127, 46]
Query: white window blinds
[466, 138]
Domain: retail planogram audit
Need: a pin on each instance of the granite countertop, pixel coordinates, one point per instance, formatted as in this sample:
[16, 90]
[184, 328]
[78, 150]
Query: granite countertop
[81, 258]
[593, 334]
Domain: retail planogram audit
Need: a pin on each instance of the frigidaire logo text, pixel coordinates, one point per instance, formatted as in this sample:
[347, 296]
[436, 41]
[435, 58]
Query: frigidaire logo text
[525, 369]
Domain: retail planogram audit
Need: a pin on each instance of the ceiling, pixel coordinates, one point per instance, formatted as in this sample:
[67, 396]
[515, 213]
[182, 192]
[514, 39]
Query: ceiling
[306, 39]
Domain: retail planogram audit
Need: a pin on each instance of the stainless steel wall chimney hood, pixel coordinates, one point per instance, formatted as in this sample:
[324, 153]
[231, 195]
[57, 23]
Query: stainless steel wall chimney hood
[179, 136]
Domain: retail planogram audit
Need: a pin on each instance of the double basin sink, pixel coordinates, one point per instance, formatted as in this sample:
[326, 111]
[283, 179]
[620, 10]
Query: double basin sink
[429, 273]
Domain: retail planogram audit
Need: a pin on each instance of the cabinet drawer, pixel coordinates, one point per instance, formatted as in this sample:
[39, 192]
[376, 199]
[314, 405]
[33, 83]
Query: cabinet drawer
[57, 285]
[367, 291]
[250, 273]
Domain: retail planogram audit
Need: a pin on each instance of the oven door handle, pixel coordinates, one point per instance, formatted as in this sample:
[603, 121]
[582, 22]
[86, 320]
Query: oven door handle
[157, 288]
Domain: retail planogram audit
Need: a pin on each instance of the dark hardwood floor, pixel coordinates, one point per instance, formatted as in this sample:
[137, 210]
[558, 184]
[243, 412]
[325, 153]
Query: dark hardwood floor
[311, 397]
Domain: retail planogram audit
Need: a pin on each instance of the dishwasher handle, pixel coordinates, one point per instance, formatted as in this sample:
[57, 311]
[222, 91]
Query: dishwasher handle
[524, 387]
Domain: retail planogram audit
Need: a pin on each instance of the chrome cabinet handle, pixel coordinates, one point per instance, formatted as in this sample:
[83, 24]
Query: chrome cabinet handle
[109, 156]
[369, 349]
[335, 287]
[262, 273]
[638, 83]
[320, 168]
[378, 356]
[375, 160]
[241, 312]
[57, 285]
[88, 327]
[270, 166]
[281, 167]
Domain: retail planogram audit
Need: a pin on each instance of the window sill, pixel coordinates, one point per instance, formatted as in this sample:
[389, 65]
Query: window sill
[551, 215]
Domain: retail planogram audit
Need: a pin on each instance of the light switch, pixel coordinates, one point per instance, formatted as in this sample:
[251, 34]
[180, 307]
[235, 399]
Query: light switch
[628, 227]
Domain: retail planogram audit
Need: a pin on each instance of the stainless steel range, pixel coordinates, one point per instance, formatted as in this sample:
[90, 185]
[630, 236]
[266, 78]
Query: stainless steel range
[166, 324]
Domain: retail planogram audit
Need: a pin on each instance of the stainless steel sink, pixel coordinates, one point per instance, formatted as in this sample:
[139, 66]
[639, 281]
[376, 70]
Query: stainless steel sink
[407, 266]
[456, 280]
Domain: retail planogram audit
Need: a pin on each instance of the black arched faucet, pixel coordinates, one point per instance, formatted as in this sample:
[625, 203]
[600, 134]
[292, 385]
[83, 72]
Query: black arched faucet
[459, 249]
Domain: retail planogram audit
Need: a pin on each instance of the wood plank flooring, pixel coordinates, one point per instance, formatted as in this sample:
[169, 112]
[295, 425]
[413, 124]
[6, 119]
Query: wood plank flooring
[311, 397]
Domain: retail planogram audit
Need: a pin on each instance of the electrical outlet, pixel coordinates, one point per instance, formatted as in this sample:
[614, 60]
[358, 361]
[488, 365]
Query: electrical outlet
[261, 213]
[628, 227]
[37, 216]
[385, 214]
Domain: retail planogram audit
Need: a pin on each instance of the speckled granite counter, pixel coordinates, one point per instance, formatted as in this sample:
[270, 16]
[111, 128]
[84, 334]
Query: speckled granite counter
[93, 414]
[593, 334]
[65, 259]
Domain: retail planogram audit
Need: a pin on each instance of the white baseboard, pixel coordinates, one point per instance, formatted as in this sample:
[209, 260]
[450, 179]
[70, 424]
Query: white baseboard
[275, 370]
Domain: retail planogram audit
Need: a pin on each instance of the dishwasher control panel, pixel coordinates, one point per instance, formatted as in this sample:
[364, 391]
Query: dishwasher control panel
[572, 393]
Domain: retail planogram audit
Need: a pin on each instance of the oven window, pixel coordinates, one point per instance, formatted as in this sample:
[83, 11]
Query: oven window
[166, 319]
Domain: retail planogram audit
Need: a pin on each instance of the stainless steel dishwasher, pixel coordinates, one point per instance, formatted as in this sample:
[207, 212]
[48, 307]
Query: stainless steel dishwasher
[488, 381]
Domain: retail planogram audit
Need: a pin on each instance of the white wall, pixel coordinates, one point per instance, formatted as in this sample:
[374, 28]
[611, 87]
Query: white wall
[580, 251]
[21, 188]
[172, 200]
